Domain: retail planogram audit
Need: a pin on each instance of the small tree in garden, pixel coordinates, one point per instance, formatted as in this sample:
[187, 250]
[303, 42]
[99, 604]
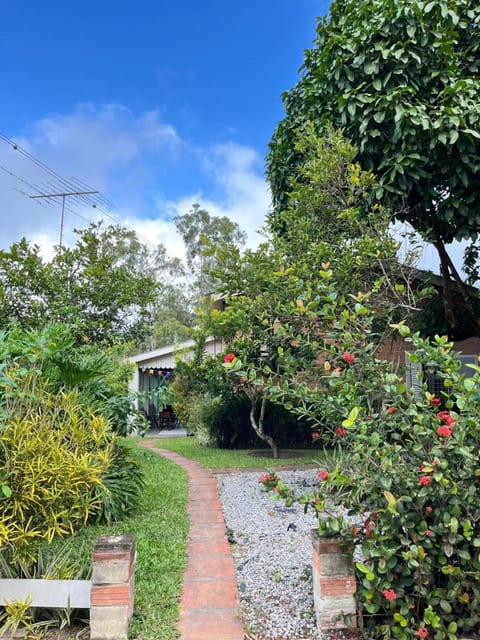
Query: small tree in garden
[287, 301]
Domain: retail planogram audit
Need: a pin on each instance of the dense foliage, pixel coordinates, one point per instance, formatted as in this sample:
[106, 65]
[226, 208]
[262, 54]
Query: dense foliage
[402, 81]
[60, 462]
[407, 487]
[98, 286]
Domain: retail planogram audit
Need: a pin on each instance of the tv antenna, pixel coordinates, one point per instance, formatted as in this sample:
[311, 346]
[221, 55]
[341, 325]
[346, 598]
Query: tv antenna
[63, 196]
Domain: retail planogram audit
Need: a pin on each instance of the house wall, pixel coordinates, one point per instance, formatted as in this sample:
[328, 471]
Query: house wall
[394, 349]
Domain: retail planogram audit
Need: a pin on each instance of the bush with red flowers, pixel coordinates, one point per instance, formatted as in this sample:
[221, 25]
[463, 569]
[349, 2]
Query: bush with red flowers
[411, 475]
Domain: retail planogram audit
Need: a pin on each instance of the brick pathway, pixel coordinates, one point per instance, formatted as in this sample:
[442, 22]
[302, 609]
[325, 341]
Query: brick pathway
[210, 600]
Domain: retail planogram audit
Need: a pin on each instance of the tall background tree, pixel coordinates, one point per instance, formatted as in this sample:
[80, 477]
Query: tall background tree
[201, 234]
[402, 79]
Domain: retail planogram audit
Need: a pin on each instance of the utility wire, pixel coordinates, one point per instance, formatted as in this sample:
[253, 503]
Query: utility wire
[59, 183]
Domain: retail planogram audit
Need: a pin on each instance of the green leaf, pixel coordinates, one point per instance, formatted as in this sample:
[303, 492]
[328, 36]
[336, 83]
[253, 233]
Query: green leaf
[445, 606]
[352, 416]
[7, 492]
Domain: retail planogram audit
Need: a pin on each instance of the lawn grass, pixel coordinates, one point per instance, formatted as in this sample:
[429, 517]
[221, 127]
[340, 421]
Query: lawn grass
[213, 458]
[160, 526]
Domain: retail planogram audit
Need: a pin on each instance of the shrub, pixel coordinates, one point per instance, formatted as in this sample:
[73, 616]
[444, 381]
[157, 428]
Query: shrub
[410, 497]
[52, 457]
[121, 484]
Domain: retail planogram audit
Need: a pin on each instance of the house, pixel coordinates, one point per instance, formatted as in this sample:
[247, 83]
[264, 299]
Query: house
[154, 369]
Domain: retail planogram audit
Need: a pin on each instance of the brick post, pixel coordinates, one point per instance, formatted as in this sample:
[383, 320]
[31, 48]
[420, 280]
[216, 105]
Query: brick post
[113, 581]
[334, 583]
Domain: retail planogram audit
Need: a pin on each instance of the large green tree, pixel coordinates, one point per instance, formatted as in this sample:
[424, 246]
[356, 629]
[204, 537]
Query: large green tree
[98, 286]
[402, 79]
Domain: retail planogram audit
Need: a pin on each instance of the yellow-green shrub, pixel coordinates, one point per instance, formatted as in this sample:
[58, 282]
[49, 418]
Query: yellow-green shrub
[52, 459]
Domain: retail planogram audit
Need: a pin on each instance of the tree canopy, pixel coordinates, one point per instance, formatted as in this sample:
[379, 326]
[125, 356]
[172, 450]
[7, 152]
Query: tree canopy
[98, 286]
[401, 78]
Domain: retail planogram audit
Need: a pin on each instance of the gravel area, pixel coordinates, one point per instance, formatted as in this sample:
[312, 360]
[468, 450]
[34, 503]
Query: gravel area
[272, 553]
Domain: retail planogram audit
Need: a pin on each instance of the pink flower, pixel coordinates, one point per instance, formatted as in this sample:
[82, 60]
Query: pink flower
[389, 594]
[391, 410]
[422, 632]
[428, 532]
[444, 431]
[348, 357]
[341, 432]
[424, 481]
[229, 357]
[428, 509]
[316, 435]
[435, 401]
[323, 474]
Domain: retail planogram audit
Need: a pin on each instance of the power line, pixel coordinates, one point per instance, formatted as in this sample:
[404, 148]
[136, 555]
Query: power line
[75, 186]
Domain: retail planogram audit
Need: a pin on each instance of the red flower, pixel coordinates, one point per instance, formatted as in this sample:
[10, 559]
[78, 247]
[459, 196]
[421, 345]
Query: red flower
[435, 401]
[389, 594]
[323, 474]
[348, 357]
[444, 431]
[424, 481]
[446, 418]
[229, 357]
[428, 532]
[391, 410]
[316, 435]
[341, 432]
[428, 509]
[422, 632]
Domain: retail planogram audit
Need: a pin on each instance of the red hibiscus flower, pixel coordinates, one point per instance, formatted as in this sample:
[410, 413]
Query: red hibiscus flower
[424, 481]
[389, 594]
[323, 474]
[229, 357]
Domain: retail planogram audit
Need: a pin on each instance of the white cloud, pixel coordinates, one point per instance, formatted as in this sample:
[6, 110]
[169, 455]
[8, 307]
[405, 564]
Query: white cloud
[116, 151]
[243, 197]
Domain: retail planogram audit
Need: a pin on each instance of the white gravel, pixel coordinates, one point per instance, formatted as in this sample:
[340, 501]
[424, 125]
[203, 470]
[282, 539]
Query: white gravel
[273, 555]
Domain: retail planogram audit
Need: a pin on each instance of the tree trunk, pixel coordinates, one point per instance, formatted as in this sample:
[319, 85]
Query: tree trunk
[257, 425]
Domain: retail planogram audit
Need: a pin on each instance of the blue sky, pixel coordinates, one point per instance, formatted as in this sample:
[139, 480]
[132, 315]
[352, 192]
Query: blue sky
[156, 104]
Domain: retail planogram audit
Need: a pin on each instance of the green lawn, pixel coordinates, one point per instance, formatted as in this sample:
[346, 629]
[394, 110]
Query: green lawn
[213, 458]
[160, 526]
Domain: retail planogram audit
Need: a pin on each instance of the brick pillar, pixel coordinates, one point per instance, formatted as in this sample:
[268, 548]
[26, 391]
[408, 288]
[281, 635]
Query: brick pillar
[334, 583]
[113, 581]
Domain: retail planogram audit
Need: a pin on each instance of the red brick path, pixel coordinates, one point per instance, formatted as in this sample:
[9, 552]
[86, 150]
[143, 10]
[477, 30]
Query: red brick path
[210, 601]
